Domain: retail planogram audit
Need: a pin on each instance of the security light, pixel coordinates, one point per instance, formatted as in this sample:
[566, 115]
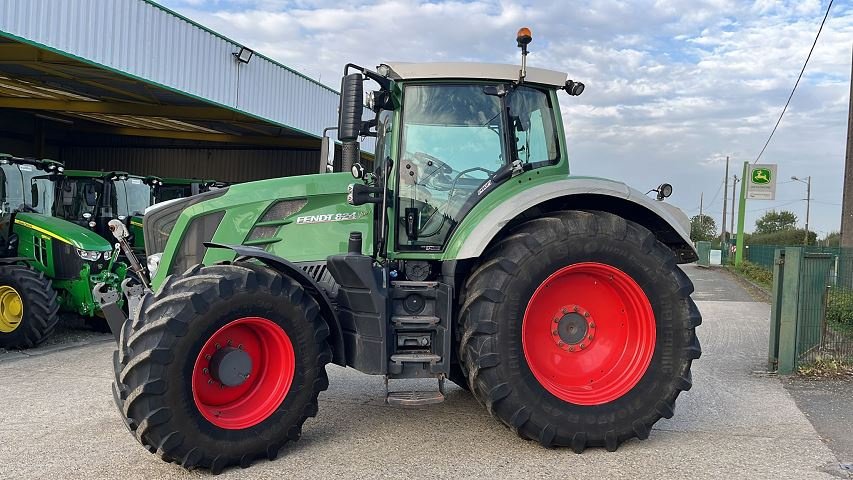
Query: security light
[244, 55]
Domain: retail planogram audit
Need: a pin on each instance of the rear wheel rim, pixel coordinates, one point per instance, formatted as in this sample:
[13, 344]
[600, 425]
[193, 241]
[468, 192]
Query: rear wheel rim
[11, 309]
[589, 333]
[264, 383]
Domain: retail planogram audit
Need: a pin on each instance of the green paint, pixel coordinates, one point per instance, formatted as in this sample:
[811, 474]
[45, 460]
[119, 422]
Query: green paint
[790, 307]
[741, 216]
[761, 176]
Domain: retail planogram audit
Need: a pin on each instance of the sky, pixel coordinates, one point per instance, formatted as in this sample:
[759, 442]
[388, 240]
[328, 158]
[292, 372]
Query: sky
[673, 86]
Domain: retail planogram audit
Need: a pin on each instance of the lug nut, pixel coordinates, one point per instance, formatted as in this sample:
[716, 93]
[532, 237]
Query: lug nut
[586, 314]
[218, 346]
[204, 371]
[209, 381]
[583, 346]
[207, 357]
[240, 347]
[590, 338]
[560, 344]
[564, 310]
[571, 349]
[592, 325]
[554, 332]
[229, 342]
[577, 308]
[557, 320]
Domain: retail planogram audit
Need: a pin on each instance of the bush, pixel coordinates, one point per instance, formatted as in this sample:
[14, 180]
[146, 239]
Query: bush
[839, 308]
[756, 273]
[784, 237]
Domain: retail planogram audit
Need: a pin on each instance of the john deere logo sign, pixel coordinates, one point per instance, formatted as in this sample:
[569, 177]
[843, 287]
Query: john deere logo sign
[762, 182]
[761, 176]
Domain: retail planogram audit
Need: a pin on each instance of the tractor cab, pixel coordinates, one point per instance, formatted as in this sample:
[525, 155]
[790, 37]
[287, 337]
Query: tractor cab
[91, 199]
[173, 188]
[26, 185]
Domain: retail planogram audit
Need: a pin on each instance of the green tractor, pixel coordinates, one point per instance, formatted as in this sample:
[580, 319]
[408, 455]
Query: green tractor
[91, 199]
[164, 190]
[47, 265]
[470, 254]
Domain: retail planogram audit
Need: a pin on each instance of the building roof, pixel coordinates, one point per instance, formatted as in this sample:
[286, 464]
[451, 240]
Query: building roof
[133, 67]
[479, 71]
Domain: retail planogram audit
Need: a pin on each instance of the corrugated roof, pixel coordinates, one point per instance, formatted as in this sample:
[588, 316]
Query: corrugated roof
[145, 41]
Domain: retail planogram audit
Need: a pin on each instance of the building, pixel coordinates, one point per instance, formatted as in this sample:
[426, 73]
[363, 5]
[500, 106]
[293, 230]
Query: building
[130, 85]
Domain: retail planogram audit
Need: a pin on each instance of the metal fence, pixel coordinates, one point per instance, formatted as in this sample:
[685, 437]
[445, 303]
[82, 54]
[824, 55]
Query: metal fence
[763, 254]
[812, 307]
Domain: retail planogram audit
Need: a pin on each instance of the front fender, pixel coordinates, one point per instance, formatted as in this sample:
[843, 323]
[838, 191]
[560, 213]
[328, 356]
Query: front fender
[293, 271]
[669, 224]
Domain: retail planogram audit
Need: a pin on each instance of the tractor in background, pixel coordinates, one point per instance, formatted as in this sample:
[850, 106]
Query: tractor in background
[47, 265]
[470, 254]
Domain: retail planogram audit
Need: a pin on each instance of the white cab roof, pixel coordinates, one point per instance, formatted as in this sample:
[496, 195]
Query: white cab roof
[480, 71]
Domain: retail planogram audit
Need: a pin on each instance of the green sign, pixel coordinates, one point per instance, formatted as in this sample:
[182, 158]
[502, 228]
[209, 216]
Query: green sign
[761, 176]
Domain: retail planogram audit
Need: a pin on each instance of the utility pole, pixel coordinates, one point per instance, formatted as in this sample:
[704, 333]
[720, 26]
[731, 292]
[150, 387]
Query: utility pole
[847, 203]
[808, 182]
[701, 199]
[725, 207]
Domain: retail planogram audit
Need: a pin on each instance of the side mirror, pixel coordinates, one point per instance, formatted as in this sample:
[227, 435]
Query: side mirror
[34, 192]
[351, 107]
[349, 119]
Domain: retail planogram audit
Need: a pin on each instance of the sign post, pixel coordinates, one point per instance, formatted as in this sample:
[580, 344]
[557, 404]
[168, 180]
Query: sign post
[759, 183]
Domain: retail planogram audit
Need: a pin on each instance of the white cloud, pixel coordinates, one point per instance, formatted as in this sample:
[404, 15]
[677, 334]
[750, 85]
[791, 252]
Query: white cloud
[672, 85]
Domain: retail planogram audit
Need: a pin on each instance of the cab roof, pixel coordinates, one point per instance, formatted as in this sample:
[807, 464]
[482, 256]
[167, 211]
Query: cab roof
[478, 71]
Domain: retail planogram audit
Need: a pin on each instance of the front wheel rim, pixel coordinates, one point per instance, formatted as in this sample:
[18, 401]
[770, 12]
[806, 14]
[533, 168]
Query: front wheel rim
[589, 333]
[261, 354]
[11, 309]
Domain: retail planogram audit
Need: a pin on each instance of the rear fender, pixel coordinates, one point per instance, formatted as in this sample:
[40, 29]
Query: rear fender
[668, 223]
[293, 271]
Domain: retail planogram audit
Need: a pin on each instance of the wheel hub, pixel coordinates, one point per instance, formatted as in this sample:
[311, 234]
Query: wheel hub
[230, 366]
[11, 309]
[573, 328]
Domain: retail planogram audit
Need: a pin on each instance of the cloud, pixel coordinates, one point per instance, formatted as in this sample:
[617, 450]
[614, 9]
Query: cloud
[673, 86]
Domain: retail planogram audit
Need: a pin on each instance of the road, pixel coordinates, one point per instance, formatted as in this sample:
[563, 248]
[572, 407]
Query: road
[58, 421]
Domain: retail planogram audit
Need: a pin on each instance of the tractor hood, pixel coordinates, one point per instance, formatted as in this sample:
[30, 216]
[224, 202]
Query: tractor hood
[304, 219]
[63, 230]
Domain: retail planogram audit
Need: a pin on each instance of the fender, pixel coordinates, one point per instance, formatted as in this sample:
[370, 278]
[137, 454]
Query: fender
[668, 223]
[290, 269]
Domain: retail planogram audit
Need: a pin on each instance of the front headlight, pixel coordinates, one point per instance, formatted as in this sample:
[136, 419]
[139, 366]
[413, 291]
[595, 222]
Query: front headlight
[90, 255]
[108, 255]
[153, 263]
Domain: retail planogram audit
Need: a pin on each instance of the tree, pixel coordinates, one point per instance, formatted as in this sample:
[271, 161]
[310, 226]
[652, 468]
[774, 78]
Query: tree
[773, 221]
[702, 228]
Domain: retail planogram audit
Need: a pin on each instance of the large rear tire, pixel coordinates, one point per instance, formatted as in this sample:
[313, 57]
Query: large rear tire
[579, 330]
[28, 307]
[222, 366]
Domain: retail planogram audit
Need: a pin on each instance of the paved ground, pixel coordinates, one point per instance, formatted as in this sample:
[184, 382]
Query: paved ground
[58, 421]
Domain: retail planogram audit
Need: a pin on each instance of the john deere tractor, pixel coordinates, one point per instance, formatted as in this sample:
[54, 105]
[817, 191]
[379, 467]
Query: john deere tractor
[92, 199]
[470, 254]
[46, 264]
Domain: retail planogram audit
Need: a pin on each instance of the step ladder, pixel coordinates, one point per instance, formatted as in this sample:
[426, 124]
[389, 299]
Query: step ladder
[414, 398]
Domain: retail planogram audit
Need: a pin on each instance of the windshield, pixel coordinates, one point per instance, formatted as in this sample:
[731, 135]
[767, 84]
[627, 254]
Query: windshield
[133, 196]
[79, 196]
[17, 189]
[171, 192]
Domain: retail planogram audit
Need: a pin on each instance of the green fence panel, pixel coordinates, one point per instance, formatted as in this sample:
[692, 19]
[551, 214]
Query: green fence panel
[816, 269]
[704, 251]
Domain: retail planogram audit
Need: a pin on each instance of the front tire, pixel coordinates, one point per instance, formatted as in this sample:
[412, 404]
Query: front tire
[579, 330]
[222, 366]
[28, 307]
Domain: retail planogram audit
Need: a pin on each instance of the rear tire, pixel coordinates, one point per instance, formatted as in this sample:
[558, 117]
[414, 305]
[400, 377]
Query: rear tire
[166, 385]
[536, 298]
[28, 307]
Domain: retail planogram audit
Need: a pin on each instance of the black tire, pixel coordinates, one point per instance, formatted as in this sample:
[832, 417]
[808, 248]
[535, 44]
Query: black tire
[40, 306]
[497, 295]
[158, 348]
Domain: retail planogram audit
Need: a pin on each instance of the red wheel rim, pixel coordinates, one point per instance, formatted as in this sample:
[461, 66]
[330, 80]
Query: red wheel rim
[588, 333]
[272, 369]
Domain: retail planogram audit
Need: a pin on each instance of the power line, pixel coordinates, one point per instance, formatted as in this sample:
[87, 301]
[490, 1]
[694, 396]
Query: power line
[795, 84]
[775, 206]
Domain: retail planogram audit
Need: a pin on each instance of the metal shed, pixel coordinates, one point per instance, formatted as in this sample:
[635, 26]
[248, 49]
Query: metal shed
[131, 85]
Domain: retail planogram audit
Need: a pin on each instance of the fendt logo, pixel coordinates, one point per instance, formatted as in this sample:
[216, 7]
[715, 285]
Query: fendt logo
[761, 176]
[329, 217]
